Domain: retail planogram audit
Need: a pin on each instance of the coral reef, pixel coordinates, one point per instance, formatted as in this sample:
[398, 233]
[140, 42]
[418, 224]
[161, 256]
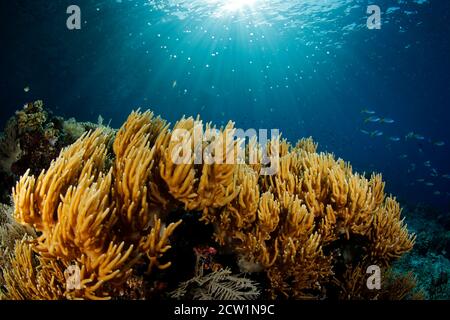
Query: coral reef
[309, 222]
[10, 233]
[429, 260]
[37, 136]
[32, 138]
[9, 148]
[10, 153]
[394, 286]
[92, 215]
[309, 229]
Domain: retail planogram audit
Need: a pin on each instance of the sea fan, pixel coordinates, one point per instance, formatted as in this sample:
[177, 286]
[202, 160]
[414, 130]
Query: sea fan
[218, 285]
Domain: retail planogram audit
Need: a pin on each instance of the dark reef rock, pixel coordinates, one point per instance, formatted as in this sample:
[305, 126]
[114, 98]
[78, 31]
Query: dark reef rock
[32, 138]
[429, 258]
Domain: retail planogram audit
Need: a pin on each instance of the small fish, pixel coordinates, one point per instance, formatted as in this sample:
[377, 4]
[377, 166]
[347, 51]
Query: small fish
[419, 137]
[387, 120]
[372, 119]
[437, 193]
[434, 172]
[410, 135]
[429, 184]
[365, 132]
[446, 176]
[427, 163]
[376, 133]
[395, 139]
[403, 156]
[439, 143]
[174, 84]
[367, 111]
[26, 89]
[420, 180]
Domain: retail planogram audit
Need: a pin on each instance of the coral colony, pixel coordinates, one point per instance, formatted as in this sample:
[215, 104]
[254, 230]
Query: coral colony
[107, 217]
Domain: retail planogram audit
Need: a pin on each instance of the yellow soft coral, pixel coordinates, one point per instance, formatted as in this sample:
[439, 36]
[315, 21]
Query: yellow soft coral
[28, 278]
[97, 219]
[205, 186]
[313, 215]
[300, 226]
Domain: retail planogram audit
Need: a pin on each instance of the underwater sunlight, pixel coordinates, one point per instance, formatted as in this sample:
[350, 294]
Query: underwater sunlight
[267, 150]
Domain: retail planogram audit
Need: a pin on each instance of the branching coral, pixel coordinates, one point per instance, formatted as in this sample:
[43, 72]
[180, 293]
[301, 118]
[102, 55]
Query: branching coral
[303, 226]
[208, 185]
[389, 236]
[137, 191]
[30, 277]
[314, 217]
[86, 222]
[10, 231]
[70, 206]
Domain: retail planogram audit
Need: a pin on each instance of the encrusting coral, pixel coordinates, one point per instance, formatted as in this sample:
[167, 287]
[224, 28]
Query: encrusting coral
[106, 215]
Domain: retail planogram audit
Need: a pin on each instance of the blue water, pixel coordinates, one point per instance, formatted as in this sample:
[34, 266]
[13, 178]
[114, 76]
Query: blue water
[306, 67]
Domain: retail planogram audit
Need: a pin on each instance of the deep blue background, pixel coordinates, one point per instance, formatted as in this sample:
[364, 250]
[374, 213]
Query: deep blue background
[309, 76]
